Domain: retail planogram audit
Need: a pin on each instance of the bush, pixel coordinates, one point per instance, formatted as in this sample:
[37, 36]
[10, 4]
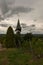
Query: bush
[26, 45]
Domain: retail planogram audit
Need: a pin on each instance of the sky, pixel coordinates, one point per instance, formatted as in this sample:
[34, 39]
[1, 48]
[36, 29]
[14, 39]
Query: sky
[29, 12]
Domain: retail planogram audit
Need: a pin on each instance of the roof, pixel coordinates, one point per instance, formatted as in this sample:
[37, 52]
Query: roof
[18, 26]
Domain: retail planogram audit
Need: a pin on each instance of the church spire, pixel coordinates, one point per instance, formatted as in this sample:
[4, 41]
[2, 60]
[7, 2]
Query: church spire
[18, 28]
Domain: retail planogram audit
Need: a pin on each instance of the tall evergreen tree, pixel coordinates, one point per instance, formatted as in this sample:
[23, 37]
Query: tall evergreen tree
[9, 42]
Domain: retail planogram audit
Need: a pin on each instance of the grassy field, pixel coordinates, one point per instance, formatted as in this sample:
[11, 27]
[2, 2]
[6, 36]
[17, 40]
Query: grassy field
[19, 56]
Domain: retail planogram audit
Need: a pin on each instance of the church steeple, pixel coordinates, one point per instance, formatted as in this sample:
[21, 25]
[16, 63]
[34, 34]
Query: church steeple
[18, 28]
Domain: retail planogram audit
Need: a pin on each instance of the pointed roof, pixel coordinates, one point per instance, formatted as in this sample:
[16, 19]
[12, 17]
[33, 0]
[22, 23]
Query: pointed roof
[18, 26]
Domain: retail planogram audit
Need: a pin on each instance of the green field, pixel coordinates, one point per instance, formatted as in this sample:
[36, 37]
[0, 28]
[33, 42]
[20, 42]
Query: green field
[19, 56]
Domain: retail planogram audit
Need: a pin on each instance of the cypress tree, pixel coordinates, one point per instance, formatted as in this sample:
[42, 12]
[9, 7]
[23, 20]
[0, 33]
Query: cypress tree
[9, 42]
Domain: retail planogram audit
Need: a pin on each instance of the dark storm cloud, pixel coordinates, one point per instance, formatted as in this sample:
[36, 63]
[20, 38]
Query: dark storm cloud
[18, 10]
[22, 6]
[4, 25]
[7, 25]
[21, 10]
[14, 10]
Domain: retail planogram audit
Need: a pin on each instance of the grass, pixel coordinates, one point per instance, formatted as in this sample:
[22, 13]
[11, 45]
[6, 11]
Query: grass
[16, 56]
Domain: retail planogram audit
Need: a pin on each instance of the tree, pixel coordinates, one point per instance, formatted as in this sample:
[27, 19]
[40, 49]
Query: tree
[28, 38]
[9, 42]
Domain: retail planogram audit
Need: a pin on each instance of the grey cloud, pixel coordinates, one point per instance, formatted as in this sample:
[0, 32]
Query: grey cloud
[4, 6]
[14, 10]
[18, 10]
[4, 25]
[23, 25]
[1, 18]
[7, 25]
[24, 6]
[21, 10]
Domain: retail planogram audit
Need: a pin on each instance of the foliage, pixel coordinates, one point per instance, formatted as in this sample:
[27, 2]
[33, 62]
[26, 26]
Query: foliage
[9, 41]
[18, 40]
[26, 45]
[28, 36]
[37, 45]
[27, 42]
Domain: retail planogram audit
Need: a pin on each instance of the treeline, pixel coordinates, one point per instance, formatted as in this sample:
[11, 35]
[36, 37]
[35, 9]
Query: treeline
[11, 40]
[26, 42]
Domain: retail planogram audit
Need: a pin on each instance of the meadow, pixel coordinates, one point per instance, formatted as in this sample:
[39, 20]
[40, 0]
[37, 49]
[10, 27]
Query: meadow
[18, 56]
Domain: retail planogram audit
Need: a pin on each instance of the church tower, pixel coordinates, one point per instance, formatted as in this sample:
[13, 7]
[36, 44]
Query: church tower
[18, 28]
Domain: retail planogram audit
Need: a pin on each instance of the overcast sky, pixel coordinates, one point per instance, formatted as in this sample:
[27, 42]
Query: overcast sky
[29, 12]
